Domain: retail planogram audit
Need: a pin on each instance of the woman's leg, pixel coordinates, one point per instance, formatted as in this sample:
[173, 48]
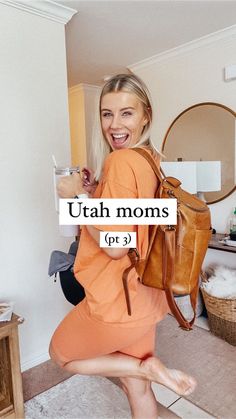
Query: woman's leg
[139, 392]
[80, 345]
[141, 398]
[84, 352]
[122, 365]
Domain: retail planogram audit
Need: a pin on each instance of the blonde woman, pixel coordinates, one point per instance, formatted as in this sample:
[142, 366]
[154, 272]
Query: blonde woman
[98, 337]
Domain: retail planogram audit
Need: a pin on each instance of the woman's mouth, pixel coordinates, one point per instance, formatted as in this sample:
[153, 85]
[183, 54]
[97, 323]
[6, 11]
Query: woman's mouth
[119, 139]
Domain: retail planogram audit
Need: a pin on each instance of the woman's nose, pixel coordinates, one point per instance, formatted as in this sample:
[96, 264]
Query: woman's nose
[116, 121]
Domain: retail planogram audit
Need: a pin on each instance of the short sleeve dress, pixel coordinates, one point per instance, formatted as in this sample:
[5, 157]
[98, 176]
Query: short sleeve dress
[100, 324]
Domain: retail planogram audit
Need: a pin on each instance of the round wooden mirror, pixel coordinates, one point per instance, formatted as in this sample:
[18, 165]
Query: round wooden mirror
[205, 132]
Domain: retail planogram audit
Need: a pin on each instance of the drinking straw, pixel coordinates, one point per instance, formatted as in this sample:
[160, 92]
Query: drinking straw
[54, 161]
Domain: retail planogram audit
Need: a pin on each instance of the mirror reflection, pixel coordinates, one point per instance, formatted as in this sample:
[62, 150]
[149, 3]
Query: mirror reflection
[205, 132]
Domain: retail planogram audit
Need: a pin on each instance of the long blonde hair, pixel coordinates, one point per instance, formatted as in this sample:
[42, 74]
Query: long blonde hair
[131, 84]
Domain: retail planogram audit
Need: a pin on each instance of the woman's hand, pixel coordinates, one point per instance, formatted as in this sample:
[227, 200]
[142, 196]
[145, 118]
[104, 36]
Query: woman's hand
[70, 186]
[88, 181]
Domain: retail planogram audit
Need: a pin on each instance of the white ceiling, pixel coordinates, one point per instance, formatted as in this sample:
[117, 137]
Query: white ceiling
[105, 37]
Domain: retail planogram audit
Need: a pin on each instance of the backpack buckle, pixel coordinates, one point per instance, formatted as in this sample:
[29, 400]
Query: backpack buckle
[170, 227]
[134, 251]
[170, 192]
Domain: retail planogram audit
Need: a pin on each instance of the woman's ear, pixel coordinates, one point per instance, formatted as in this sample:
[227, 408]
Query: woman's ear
[147, 116]
[146, 120]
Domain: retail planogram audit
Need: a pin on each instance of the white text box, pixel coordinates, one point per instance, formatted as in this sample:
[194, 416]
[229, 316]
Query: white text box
[117, 239]
[118, 211]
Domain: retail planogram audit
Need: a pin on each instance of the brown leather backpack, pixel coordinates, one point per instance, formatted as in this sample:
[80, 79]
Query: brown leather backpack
[175, 253]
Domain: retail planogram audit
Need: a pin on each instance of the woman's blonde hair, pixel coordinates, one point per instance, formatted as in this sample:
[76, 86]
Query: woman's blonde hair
[126, 83]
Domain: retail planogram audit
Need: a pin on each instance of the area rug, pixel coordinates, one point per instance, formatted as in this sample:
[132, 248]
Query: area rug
[80, 397]
[84, 397]
[211, 360]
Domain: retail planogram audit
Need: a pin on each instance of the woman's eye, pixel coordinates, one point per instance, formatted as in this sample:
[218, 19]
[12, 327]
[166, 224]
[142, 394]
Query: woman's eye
[106, 115]
[127, 113]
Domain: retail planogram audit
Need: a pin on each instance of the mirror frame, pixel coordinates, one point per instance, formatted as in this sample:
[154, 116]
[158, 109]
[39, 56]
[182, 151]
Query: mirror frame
[182, 113]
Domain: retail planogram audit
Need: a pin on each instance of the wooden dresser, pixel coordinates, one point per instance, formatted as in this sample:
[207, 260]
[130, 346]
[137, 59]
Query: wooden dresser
[11, 395]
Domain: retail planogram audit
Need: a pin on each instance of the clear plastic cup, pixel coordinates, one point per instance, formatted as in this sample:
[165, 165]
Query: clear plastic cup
[59, 172]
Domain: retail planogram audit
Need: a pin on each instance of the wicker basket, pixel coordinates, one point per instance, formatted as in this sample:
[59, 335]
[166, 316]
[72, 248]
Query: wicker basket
[222, 316]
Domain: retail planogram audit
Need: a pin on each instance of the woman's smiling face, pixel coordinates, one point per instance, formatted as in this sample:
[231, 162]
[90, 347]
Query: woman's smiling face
[122, 119]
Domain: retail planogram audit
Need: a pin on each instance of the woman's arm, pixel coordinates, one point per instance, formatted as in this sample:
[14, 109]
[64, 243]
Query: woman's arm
[70, 186]
[112, 252]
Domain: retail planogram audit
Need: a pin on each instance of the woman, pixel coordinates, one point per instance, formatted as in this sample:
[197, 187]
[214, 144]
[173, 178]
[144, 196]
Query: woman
[98, 337]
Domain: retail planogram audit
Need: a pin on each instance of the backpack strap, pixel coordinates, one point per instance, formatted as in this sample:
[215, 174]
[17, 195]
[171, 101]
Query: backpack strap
[168, 274]
[134, 257]
[158, 172]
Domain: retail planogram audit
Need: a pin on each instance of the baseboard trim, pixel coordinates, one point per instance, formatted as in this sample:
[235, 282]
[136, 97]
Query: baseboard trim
[33, 362]
[40, 378]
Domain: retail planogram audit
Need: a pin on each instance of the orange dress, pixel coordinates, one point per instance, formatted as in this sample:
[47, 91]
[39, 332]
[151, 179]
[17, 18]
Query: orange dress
[100, 324]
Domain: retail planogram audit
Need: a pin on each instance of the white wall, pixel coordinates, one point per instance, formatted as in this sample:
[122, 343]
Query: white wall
[187, 76]
[34, 124]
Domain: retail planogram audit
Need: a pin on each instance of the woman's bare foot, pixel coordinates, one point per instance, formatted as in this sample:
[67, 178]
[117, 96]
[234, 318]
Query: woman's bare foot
[175, 380]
